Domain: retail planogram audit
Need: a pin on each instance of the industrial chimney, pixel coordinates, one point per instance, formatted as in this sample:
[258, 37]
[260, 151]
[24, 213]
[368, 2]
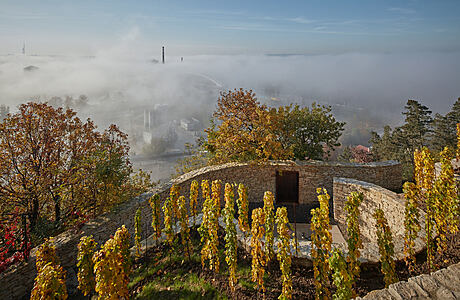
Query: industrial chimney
[163, 54]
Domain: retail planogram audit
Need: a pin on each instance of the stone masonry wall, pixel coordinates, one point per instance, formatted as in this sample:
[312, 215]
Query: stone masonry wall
[375, 197]
[17, 282]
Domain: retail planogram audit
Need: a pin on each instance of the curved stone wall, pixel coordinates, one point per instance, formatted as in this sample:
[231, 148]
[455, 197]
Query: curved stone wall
[375, 197]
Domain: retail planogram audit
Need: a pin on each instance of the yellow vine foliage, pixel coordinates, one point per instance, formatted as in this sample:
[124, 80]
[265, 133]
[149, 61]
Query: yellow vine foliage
[411, 223]
[215, 195]
[203, 229]
[386, 248]
[269, 212]
[46, 253]
[243, 209]
[174, 194]
[342, 278]
[259, 260]
[321, 245]
[168, 220]
[230, 235]
[446, 206]
[154, 202]
[50, 280]
[213, 226]
[194, 189]
[426, 163]
[49, 283]
[284, 254]
[85, 264]
[137, 231]
[354, 240]
[184, 229]
[458, 141]
[113, 266]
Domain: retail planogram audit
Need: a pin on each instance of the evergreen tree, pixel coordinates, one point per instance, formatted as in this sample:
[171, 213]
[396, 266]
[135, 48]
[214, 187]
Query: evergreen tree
[444, 128]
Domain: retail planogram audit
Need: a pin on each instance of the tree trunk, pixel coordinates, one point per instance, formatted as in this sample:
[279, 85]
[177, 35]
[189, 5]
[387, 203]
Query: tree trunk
[57, 210]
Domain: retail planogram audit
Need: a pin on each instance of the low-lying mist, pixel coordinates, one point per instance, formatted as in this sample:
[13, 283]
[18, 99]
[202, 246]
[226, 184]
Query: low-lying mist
[361, 87]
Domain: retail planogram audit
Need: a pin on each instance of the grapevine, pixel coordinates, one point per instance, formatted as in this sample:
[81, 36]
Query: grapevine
[230, 234]
[112, 266]
[343, 280]
[50, 279]
[269, 212]
[46, 253]
[49, 283]
[137, 231]
[284, 252]
[426, 167]
[458, 142]
[174, 194]
[213, 226]
[386, 248]
[203, 229]
[184, 229]
[354, 240]
[193, 200]
[258, 255]
[168, 221]
[156, 221]
[243, 208]
[85, 264]
[445, 201]
[321, 245]
[411, 223]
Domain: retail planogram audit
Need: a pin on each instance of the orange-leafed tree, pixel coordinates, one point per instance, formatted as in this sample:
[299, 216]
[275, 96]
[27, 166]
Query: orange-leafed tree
[53, 166]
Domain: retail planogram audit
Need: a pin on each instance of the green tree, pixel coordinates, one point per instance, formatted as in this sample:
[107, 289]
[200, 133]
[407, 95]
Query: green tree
[444, 129]
[307, 130]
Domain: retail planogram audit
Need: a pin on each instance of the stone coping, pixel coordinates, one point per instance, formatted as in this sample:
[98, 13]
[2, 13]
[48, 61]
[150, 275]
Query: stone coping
[443, 284]
[299, 163]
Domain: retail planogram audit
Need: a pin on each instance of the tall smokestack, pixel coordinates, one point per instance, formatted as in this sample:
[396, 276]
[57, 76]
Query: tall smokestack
[163, 54]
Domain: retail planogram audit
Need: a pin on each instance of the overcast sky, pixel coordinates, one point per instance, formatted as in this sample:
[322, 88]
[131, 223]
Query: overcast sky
[231, 27]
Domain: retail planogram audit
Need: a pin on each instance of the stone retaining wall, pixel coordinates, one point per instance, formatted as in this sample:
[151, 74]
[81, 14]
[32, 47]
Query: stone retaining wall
[375, 197]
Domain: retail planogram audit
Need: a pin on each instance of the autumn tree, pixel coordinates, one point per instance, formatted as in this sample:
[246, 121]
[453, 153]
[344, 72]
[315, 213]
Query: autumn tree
[243, 129]
[53, 166]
